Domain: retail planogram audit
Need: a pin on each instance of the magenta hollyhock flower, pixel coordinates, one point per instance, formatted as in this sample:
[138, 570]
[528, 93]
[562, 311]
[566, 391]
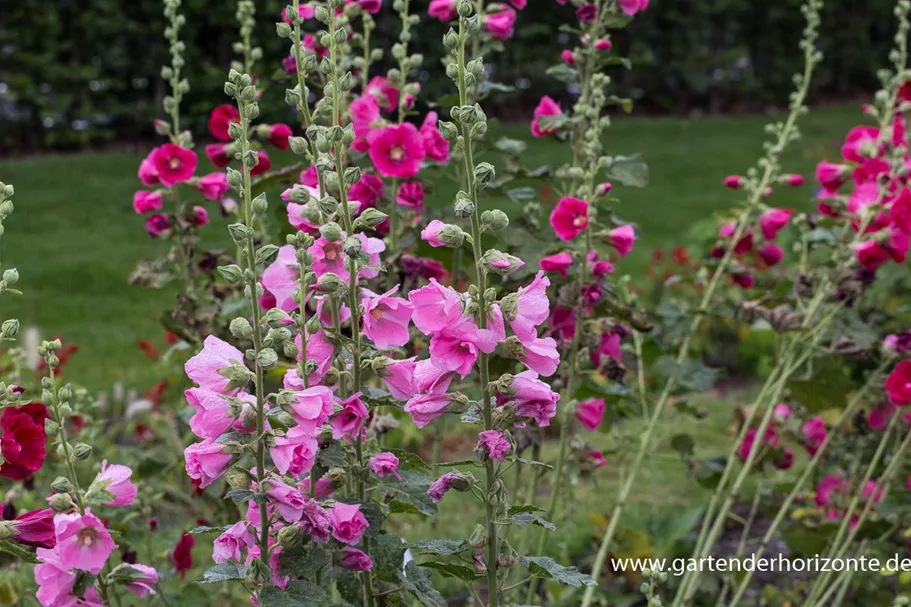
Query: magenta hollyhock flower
[328, 257]
[871, 254]
[603, 45]
[609, 346]
[734, 182]
[399, 378]
[435, 307]
[569, 218]
[534, 399]
[287, 500]
[145, 201]
[781, 413]
[312, 407]
[386, 318]
[213, 186]
[348, 523]
[365, 116]
[142, 585]
[541, 356]
[864, 195]
[793, 180]
[502, 23]
[319, 349]
[631, 7]
[279, 134]
[295, 452]
[407, 378]
[349, 422]
[263, 163]
[424, 408]
[370, 6]
[386, 92]
[157, 225]
[771, 439]
[771, 253]
[206, 461]
[83, 542]
[315, 520]
[567, 56]
[355, 560]
[55, 580]
[199, 217]
[229, 545]
[385, 463]
[586, 13]
[411, 195]
[444, 10]
[831, 176]
[860, 144]
[219, 119]
[519, 4]
[546, 107]
[899, 343]
[450, 480]
[622, 239]
[147, 172]
[456, 347]
[305, 11]
[898, 384]
[219, 154]
[212, 417]
[368, 190]
[204, 368]
[532, 308]
[494, 444]
[602, 268]
[173, 163]
[828, 487]
[281, 278]
[116, 481]
[435, 145]
[773, 220]
[559, 262]
[590, 413]
[397, 150]
[814, 433]
[35, 528]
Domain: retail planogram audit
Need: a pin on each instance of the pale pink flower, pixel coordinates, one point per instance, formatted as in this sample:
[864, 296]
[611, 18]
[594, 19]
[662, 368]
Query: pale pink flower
[397, 150]
[569, 218]
[320, 350]
[631, 7]
[83, 542]
[349, 422]
[282, 277]
[385, 463]
[229, 545]
[386, 318]
[541, 356]
[456, 346]
[116, 481]
[295, 452]
[590, 413]
[494, 444]
[399, 378]
[431, 233]
[312, 407]
[546, 107]
[385, 91]
[204, 368]
[348, 523]
[532, 308]
[365, 116]
[206, 461]
[55, 580]
[435, 307]
[450, 480]
[142, 585]
[314, 519]
[288, 501]
[424, 408]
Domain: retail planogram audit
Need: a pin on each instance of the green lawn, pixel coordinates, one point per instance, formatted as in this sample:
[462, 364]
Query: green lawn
[75, 239]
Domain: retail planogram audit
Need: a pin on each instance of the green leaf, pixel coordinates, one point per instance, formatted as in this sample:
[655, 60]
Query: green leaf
[388, 554]
[442, 547]
[708, 471]
[534, 463]
[18, 550]
[525, 508]
[522, 194]
[546, 567]
[299, 593]
[462, 572]
[563, 73]
[827, 388]
[684, 445]
[305, 561]
[331, 456]
[409, 495]
[631, 171]
[510, 146]
[416, 580]
[203, 530]
[691, 374]
[527, 518]
[240, 495]
[410, 461]
[224, 572]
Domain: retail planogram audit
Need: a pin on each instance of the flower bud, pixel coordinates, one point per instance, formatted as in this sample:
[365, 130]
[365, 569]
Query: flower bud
[507, 556]
[464, 8]
[464, 206]
[478, 537]
[734, 182]
[9, 329]
[328, 283]
[484, 173]
[231, 273]
[290, 536]
[61, 502]
[501, 263]
[82, 451]
[331, 231]
[495, 220]
[62, 484]
[372, 217]
[448, 130]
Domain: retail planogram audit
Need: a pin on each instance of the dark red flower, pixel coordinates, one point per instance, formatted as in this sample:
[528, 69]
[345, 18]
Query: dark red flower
[182, 557]
[22, 444]
[35, 528]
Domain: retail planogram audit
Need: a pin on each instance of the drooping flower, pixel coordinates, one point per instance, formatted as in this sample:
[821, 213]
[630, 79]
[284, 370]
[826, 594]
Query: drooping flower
[860, 144]
[34, 528]
[828, 487]
[199, 217]
[397, 150]
[173, 163]
[229, 545]
[145, 201]
[295, 452]
[831, 176]
[182, 556]
[213, 186]
[622, 239]
[115, 480]
[771, 439]
[898, 384]
[204, 368]
[494, 444]
[558, 262]
[734, 182]
[220, 118]
[534, 399]
[871, 254]
[157, 225]
[501, 24]
[219, 154]
[206, 461]
[355, 560]
[349, 422]
[385, 463]
[426, 407]
[546, 107]
[590, 413]
[450, 480]
[771, 253]
[348, 523]
[22, 444]
[587, 13]
[386, 318]
[569, 218]
[83, 542]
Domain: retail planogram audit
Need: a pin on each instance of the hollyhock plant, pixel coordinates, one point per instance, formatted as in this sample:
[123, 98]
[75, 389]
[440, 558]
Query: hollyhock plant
[397, 150]
[385, 463]
[115, 481]
[386, 318]
[590, 413]
[348, 523]
[205, 367]
[569, 218]
[174, 164]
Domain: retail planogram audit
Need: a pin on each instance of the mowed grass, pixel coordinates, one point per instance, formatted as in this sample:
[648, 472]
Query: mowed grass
[75, 239]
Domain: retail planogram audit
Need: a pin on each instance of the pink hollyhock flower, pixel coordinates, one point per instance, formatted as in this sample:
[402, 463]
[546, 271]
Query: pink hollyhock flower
[315, 520]
[229, 545]
[771, 253]
[602, 268]
[532, 308]
[743, 245]
[435, 307]
[773, 220]
[444, 10]
[325, 313]
[219, 154]
[348, 422]
[501, 24]
[408, 378]
[213, 186]
[590, 413]
[22, 444]
[385, 463]
[281, 278]
[370, 6]
[734, 182]
[450, 480]
[898, 384]
[204, 368]
[546, 107]
[781, 413]
[34, 528]
[900, 210]
[83, 542]
[220, 118]
[864, 195]
[55, 580]
[431, 233]
[386, 92]
[145, 201]
[814, 433]
[263, 164]
[870, 254]
[355, 560]
[603, 45]
[899, 343]
[456, 346]
[173, 163]
[541, 356]
[793, 180]
[831, 176]
[213, 412]
[860, 144]
[559, 262]
[622, 239]
[424, 408]
[609, 346]
[386, 318]
[519, 4]
[828, 487]
[295, 452]
[288, 501]
[142, 585]
[328, 257]
[567, 56]
[631, 7]
[116, 481]
[874, 489]
[534, 399]
[563, 323]
[365, 116]
[411, 195]
[368, 190]
[494, 444]
[399, 378]
[397, 150]
[348, 523]
[199, 217]
[312, 407]
[744, 280]
[279, 134]
[147, 173]
[157, 225]
[319, 349]
[325, 487]
[598, 460]
[587, 13]
[206, 461]
[771, 439]
[569, 218]
[435, 146]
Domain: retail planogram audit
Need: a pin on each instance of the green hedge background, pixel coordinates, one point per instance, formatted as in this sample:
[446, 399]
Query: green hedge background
[75, 73]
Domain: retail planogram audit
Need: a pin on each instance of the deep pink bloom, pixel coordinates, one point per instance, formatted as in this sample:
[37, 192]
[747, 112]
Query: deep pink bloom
[304, 11]
[861, 144]
[831, 176]
[279, 134]
[282, 277]
[494, 444]
[435, 307]
[83, 542]
[220, 118]
[145, 201]
[587, 12]
[213, 186]
[408, 378]
[456, 346]
[370, 6]
[143, 584]
[385, 91]
[368, 190]
[870, 254]
[182, 556]
[288, 501]
[147, 172]
[729, 229]
[567, 56]
[898, 384]
[864, 195]
[315, 520]
[204, 368]
[569, 218]
[532, 308]
[814, 433]
[793, 180]
[546, 107]
[734, 182]
[173, 163]
[219, 154]
[319, 349]
[399, 378]
[348, 523]
[263, 163]
[206, 461]
[349, 422]
[229, 545]
[534, 399]
[386, 318]
[295, 453]
[622, 239]
[444, 10]
[397, 150]
[559, 262]
[604, 45]
[829, 486]
[744, 280]
[411, 195]
[771, 253]
[23, 439]
[541, 356]
[631, 7]
[443, 484]
[355, 560]
[385, 463]
[213, 412]
[435, 146]
[773, 220]
[116, 481]
[365, 116]
[199, 217]
[609, 347]
[771, 439]
[431, 233]
[590, 413]
[501, 24]
[35, 528]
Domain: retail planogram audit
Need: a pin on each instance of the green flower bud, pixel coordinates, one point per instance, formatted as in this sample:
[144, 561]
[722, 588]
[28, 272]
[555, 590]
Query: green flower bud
[328, 283]
[241, 328]
[484, 173]
[331, 231]
[371, 218]
[62, 484]
[448, 130]
[283, 30]
[328, 205]
[501, 263]
[235, 179]
[267, 358]
[61, 502]
[495, 220]
[231, 273]
[298, 144]
[9, 329]
[260, 205]
[464, 8]
[451, 236]
[82, 451]
[290, 536]
[464, 206]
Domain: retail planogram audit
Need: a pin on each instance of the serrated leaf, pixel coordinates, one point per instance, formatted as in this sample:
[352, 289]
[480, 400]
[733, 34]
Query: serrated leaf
[683, 444]
[388, 554]
[299, 593]
[410, 461]
[455, 570]
[528, 518]
[223, 572]
[409, 495]
[546, 567]
[331, 456]
[416, 581]
[441, 547]
[240, 495]
[525, 508]
[690, 374]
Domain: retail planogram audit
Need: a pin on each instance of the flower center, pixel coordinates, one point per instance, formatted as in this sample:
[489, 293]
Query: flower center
[376, 313]
[332, 252]
[174, 163]
[579, 221]
[87, 536]
[396, 153]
